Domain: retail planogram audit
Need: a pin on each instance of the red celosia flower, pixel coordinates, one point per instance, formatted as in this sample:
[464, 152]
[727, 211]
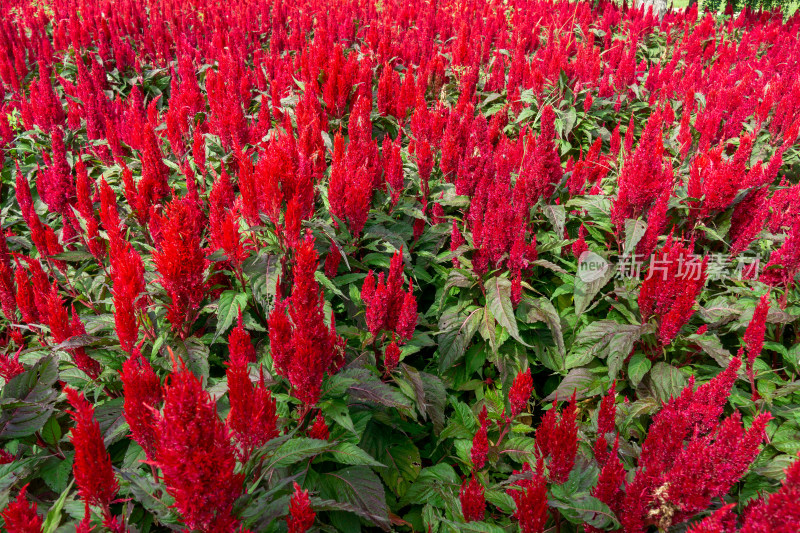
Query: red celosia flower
[301, 516]
[557, 438]
[779, 512]
[580, 246]
[531, 500]
[721, 521]
[240, 346]
[143, 396]
[96, 482]
[689, 457]
[196, 455]
[10, 366]
[754, 338]
[252, 418]
[391, 357]
[473, 502]
[645, 174]
[610, 482]
[20, 516]
[388, 307]
[480, 442]
[520, 392]
[181, 262]
[606, 422]
[304, 349]
[319, 429]
[674, 279]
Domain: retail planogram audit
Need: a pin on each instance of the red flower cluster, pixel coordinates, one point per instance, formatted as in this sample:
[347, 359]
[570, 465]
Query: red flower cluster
[390, 309]
[473, 502]
[303, 348]
[20, 516]
[530, 497]
[96, 482]
[301, 516]
[196, 456]
[689, 456]
[520, 392]
[252, 418]
[674, 279]
[557, 438]
[143, 397]
[480, 442]
[754, 339]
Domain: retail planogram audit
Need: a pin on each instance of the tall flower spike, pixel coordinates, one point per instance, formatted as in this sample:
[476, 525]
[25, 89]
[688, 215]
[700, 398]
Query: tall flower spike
[473, 502]
[252, 418]
[94, 476]
[239, 344]
[20, 516]
[531, 500]
[780, 512]
[557, 438]
[196, 455]
[305, 348]
[301, 516]
[143, 396]
[319, 429]
[754, 339]
[520, 392]
[480, 442]
[181, 262]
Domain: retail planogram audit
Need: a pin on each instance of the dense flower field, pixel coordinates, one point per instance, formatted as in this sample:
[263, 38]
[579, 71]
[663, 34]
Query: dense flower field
[434, 266]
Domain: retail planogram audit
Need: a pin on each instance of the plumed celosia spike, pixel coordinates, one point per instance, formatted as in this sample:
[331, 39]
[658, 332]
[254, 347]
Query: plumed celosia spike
[391, 357]
[109, 216]
[689, 457]
[143, 396]
[610, 482]
[181, 262]
[301, 516]
[779, 512]
[580, 246]
[480, 442]
[669, 291]
[407, 320]
[10, 366]
[196, 455]
[606, 423]
[520, 392]
[240, 346]
[94, 476]
[319, 429]
[473, 501]
[127, 275]
[280, 336]
[557, 438]
[252, 418]
[305, 348]
[754, 338]
[530, 499]
[20, 516]
[721, 521]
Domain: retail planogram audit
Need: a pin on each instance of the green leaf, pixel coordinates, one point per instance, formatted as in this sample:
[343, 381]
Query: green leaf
[51, 432]
[27, 400]
[298, 449]
[53, 518]
[228, 306]
[582, 508]
[634, 231]
[348, 453]
[360, 488]
[498, 302]
[456, 332]
[638, 366]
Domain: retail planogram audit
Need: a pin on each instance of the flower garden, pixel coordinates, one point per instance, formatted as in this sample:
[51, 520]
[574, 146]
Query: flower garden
[398, 265]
